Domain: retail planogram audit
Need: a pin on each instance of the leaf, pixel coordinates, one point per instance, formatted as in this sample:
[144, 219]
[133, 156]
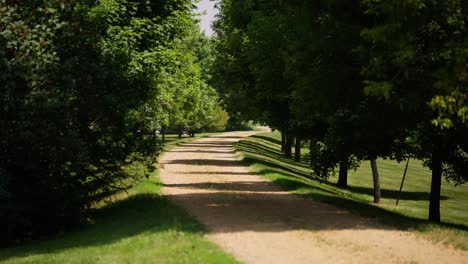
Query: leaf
[377, 89]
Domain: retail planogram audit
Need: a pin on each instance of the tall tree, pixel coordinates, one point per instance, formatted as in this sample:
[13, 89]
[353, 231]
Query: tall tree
[359, 80]
[418, 60]
[81, 81]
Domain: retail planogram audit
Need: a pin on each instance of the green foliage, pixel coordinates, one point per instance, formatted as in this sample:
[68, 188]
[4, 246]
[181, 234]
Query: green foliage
[322, 160]
[59, 155]
[358, 79]
[84, 87]
[419, 51]
[450, 109]
[238, 123]
[183, 99]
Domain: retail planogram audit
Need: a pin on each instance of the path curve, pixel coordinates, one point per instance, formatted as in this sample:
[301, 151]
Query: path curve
[257, 222]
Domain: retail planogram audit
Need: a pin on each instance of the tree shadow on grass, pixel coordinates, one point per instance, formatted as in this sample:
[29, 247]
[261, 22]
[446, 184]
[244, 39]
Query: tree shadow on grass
[123, 219]
[386, 217]
[294, 180]
[323, 194]
[393, 194]
[280, 169]
[269, 139]
[293, 184]
[258, 149]
[253, 149]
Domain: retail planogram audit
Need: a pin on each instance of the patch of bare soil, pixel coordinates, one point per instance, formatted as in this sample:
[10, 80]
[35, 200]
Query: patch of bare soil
[257, 222]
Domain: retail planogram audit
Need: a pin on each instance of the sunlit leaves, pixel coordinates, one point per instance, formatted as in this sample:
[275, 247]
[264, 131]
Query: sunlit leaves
[450, 110]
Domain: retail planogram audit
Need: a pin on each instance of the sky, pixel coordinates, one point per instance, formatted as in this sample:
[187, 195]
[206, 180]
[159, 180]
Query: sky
[206, 19]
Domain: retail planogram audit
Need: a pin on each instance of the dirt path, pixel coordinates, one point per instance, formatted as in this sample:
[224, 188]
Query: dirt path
[258, 223]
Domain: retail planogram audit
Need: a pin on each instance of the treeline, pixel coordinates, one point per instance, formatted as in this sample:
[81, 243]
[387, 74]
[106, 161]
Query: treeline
[85, 85]
[358, 80]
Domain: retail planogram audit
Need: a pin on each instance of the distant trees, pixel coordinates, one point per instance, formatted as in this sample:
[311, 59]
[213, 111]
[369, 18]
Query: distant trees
[84, 86]
[357, 79]
[182, 98]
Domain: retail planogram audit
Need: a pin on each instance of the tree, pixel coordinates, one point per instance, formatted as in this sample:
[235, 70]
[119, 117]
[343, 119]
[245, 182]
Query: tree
[74, 77]
[417, 59]
[358, 80]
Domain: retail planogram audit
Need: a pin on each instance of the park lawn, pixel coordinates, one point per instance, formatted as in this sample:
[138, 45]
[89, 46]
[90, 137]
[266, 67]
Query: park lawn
[262, 153]
[142, 227]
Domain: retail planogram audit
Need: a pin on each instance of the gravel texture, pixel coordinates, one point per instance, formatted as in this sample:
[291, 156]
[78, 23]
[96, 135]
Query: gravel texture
[257, 222]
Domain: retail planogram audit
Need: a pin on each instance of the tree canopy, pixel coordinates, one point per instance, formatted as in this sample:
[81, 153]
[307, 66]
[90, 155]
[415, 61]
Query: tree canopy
[85, 86]
[357, 79]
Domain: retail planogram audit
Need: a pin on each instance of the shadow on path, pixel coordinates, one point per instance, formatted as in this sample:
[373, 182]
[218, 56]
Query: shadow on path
[205, 162]
[241, 186]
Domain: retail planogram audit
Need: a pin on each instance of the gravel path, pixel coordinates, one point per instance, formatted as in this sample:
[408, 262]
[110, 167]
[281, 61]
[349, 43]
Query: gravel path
[256, 222]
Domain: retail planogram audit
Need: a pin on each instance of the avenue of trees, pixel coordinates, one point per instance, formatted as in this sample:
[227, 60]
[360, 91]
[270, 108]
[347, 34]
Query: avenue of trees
[357, 80]
[84, 87]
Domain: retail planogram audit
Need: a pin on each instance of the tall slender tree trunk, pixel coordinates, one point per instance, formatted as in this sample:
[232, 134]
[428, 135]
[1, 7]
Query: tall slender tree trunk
[297, 149]
[343, 174]
[376, 180]
[283, 142]
[434, 199]
[163, 133]
[288, 146]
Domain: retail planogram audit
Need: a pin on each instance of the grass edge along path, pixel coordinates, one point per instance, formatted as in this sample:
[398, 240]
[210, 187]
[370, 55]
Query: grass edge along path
[144, 227]
[262, 154]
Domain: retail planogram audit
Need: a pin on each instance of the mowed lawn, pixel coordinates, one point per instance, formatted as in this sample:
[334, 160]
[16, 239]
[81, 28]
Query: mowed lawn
[414, 200]
[141, 227]
[262, 152]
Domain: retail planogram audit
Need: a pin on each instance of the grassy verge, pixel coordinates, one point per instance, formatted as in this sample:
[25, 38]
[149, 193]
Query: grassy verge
[141, 228]
[262, 153]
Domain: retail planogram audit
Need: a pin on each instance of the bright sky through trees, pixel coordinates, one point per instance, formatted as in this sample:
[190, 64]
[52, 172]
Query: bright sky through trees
[208, 11]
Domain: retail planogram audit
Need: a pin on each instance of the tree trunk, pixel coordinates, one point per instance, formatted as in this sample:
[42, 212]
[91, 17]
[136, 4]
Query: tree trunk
[376, 179]
[297, 149]
[163, 133]
[288, 146]
[283, 142]
[343, 174]
[434, 199]
[180, 132]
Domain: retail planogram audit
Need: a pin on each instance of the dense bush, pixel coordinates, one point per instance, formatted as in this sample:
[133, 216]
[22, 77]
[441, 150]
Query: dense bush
[83, 89]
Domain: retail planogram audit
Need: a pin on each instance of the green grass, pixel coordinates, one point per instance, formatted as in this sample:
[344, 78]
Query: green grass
[262, 153]
[143, 228]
